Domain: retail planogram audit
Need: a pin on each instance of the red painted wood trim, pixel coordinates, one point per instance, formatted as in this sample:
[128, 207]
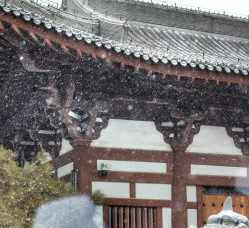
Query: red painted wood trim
[64, 159]
[216, 159]
[106, 216]
[134, 177]
[143, 203]
[192, 205]
[200, 190]
[137, 202]
[179, 196]
[129, 154]
[133, 190]
[218, 181]
[152, 156]
[81, 47]
[159, 213]
[86, 171]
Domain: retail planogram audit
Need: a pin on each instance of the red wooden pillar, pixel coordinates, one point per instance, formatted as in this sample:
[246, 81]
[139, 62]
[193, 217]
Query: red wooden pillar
[85, 166]
[179, 199]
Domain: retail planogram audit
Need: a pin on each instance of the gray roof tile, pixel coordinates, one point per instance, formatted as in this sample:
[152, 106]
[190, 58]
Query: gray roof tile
[159, 45]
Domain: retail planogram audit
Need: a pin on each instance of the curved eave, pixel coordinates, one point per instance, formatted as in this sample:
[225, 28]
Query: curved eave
[113, 51]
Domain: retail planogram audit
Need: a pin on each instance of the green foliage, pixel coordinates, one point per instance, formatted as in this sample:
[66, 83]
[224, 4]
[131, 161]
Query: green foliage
[98, 197]
[23, 190]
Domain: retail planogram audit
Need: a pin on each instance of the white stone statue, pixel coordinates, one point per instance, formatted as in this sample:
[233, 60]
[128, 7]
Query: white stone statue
[227, 218]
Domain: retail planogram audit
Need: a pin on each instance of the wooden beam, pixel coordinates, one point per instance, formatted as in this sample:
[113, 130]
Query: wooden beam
[200, 190]
[135, 177]
[137, 202]
[86, 168]
[217, 159]
[132, 190]
[218, 181]
[159, 214]
[100, 153]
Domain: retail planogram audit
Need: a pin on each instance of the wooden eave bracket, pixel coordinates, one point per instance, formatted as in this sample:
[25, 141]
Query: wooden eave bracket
[180, 131]
[240, 136]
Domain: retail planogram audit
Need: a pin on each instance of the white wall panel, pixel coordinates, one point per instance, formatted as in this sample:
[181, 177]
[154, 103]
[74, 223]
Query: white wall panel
[65, 170]
[213, 140]
[153, 191]
[132, 166]
[99, 217]
[192, 218]
[167, 218]
[112, 189]
[129, 134]
[191, 194]
[65, 146]
[212, 170]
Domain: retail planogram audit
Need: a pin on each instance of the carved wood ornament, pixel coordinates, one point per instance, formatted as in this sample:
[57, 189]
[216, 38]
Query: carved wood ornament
[180, 130]
[240, 137]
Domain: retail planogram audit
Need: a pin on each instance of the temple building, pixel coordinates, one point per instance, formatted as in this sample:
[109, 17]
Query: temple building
[146, 103]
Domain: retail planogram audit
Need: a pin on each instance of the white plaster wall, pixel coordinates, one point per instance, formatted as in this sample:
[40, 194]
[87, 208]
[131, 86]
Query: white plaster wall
[192, 218]
[65, 170]
[167, 218]
[153, 191]
[191, 194]
[112, 189]
[65, 146]
[129, 134]
[132, 166]
[213, 140]
[212, 170]
[99, 217]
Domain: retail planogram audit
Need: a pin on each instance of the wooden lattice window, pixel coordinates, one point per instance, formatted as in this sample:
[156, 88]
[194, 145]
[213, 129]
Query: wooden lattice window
[132, 217]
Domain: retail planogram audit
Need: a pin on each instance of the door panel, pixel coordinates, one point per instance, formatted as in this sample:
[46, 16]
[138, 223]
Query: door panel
[213, 204]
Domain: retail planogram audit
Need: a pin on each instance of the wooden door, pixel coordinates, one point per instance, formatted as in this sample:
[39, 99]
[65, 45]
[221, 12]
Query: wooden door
[132, 217]
[213, 204]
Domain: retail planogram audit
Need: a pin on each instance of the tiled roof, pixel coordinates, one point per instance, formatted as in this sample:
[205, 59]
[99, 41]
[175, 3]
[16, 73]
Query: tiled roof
[158, 44]
[196, 49]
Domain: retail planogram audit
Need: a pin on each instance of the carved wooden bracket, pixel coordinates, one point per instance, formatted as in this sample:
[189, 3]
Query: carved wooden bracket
[24, 147]
[87, 124]
[240, 137]
[180, 130]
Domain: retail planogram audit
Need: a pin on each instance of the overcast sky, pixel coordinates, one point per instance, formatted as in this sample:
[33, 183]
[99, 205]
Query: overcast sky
[236, 7]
